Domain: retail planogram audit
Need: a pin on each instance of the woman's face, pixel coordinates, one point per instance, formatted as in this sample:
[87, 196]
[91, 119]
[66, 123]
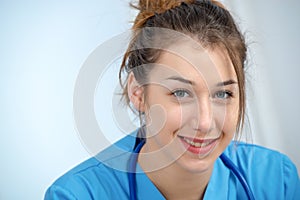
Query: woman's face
[191, 107]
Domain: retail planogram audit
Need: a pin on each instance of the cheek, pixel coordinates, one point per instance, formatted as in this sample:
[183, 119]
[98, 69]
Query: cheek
[226, 118]
[164, 120]
[174, 118]
[230, 120]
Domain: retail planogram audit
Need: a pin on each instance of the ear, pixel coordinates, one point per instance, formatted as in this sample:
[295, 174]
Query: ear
[135, 93]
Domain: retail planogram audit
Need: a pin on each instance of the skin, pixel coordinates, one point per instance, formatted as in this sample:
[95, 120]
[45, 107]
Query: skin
[179, 102]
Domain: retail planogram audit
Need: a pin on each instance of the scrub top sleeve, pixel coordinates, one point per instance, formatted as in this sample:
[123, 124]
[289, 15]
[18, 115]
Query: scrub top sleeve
[72, 187]
[291, 180]
[58, 193]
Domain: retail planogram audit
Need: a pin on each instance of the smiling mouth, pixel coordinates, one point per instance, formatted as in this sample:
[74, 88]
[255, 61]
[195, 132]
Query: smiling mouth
[199, 146]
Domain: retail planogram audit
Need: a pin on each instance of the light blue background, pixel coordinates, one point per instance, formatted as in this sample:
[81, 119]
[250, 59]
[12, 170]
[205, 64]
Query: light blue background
[43, 44]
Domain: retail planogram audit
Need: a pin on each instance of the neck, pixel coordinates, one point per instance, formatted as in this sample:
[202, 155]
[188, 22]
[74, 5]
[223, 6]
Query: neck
[173, 181]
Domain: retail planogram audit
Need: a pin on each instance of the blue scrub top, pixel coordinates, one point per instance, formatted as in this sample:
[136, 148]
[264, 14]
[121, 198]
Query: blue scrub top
[270, 174]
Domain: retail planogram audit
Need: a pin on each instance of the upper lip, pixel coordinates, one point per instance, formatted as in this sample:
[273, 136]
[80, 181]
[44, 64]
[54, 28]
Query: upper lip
[199, 140]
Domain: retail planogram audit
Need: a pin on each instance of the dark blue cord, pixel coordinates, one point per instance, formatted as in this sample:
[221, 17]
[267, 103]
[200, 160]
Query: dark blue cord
[132, 169]
[230, 165]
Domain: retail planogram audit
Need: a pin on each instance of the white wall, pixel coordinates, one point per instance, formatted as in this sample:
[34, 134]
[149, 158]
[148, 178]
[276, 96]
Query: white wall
[273, 30]
[43, 45]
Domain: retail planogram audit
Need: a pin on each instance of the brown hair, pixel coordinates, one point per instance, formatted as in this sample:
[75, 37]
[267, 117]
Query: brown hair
[207, 21]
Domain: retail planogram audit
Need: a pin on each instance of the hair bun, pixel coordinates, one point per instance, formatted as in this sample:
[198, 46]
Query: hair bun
[148, 8]
[159, 6]
[218, 3]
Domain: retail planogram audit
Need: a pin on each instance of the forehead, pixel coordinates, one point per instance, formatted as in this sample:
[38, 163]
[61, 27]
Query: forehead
[195, 63]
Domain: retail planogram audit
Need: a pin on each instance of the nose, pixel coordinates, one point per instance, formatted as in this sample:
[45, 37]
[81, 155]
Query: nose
[204, 116]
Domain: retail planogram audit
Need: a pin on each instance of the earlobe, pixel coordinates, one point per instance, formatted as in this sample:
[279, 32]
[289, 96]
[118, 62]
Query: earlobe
[135, 93]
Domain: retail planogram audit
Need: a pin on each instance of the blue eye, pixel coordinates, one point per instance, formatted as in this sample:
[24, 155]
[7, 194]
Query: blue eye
[223, 94]
[181, 93]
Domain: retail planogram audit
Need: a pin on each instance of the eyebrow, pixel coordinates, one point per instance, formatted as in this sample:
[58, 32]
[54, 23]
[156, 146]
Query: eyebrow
[183, 80]
[177, 78]
[228, 82]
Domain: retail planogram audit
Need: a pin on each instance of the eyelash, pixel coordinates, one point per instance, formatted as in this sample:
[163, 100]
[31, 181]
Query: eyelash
[228, 95]
[227, 92]
[181, 90]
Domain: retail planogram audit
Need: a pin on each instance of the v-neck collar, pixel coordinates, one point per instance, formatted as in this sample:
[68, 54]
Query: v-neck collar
[218, 184]
[217, 187]
[145, 187]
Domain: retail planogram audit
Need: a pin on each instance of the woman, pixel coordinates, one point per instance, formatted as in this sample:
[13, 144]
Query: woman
[185, 77]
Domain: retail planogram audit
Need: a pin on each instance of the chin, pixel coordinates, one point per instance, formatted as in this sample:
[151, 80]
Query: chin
[194, 164]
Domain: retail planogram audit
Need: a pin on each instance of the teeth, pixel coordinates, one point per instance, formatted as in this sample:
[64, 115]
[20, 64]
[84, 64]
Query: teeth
[196, 144]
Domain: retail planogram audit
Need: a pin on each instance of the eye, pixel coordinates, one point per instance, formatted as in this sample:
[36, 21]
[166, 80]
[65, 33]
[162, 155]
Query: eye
[181, 93]
[224, 94]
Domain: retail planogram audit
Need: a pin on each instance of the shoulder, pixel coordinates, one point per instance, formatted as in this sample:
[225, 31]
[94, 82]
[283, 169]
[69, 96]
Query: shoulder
[250, 155]
[91, 178]
[268, 171]
[70, 185]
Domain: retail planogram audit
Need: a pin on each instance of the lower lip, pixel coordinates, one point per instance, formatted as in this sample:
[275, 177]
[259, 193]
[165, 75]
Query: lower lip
[199, 150]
